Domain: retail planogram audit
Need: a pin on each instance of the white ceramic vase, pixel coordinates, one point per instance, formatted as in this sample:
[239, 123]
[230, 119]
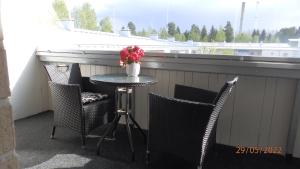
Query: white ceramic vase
[133, 69]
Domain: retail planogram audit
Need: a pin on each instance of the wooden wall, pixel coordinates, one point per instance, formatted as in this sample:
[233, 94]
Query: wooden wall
[258, 112]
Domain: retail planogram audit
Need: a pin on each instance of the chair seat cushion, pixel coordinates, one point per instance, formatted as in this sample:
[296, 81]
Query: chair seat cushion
[88, 97]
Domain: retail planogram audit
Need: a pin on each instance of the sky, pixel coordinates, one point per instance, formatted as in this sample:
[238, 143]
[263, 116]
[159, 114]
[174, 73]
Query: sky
[259, 14]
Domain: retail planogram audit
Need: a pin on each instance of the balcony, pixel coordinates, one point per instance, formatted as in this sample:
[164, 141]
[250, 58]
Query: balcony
[261, 112]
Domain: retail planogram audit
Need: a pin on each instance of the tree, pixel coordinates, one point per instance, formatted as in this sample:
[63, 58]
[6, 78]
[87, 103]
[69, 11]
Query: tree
[228, 32]
[262, 36]
[269, 38]
[61, 9]
[195, 33]
[186, 35]
[143, 33]
[178, 30]
[105, 25]
[220, 36]
[242, 37]
[132, 28]
[285, 34]
[85, 17]
[255, 33]
[171, 29]
[180, 37]
[298, 33]
[255, 39]
[212, 34]
[151, 30]
[204, 34]
[163, 34]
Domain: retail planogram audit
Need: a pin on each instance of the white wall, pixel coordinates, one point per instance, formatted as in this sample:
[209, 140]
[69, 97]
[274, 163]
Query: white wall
[25, 25]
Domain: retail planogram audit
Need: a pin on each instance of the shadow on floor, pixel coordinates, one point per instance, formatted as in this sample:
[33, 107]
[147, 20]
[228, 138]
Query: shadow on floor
[36, 151]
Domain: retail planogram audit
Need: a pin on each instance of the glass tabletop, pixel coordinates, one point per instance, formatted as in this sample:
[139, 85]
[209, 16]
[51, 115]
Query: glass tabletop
[123, 79]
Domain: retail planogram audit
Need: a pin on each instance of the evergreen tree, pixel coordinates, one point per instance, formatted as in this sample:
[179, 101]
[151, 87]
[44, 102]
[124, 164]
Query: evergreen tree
[163, 33]
[212, 34]
[253, 33]
[228, 32]
[204, 34]
[220, 36]
[171, 29]
[186, 35]
[178, 30]
[195, 33]
[269, 38]
[105, 25]
[262, 36]
[61, 9]
[132, 28]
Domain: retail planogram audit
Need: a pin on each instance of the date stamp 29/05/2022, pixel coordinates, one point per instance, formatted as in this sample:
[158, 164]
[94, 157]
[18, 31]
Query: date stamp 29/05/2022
[258, 150]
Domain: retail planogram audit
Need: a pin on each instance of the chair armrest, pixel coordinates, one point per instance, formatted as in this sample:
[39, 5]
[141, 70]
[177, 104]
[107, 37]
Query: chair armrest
[194, 94]
[66, 102]
[88, 86]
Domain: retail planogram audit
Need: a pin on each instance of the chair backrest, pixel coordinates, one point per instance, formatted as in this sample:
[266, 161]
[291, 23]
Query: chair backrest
[64, 73]
[219, 103]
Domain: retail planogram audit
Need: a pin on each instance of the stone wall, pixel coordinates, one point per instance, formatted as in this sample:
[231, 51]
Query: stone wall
[7, 132]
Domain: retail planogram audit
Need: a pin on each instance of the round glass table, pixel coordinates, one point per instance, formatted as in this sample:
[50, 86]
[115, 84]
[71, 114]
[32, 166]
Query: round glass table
[124, 85]
[122, 80]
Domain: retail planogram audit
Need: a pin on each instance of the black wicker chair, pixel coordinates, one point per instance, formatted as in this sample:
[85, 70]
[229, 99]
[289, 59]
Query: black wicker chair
[78, 104]
[185, 126]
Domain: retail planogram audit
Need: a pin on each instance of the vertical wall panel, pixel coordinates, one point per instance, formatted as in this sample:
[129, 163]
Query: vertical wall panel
[188, 78]
[163, 82]
[200, 80]
[284, 101]
[247, 111]
[267, 111]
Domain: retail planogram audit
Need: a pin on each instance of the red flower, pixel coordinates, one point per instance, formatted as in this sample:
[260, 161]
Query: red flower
[124, 53]
[131, 54]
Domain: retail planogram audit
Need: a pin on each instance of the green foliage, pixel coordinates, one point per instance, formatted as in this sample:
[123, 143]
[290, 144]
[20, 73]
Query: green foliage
[255, 33]
[195, 33]
[178, 30]
[212, 34]
[228, 32]
[255, 39]
[286, 33]
[186, 35]
[105, 25]
[132, 28]
[180, 37]
[143, 33]
[171, 29]
[242, 37]
[220, 36]
[163, 34]
[151, 30]
[61, 9]
[262, 36]
[85, 17]
[204, 34]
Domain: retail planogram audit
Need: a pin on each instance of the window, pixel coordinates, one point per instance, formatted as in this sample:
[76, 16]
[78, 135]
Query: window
[233, 27]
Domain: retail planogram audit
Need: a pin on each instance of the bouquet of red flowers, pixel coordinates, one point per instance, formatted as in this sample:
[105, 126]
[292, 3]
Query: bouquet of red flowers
[131, 54]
